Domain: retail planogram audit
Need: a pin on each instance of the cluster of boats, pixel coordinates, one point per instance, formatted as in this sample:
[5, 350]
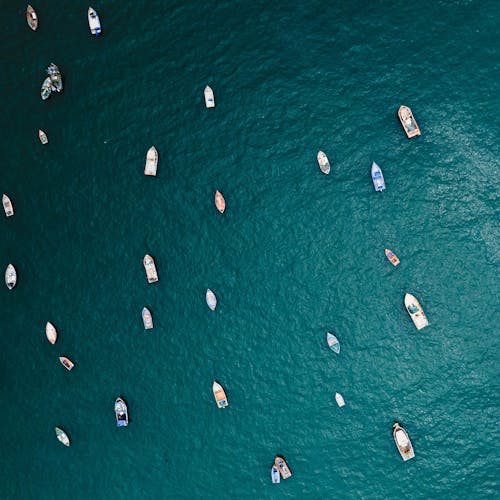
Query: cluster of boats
[53, 82]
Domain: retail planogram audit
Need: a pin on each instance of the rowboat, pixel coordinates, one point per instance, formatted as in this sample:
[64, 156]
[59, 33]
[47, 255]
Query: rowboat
[415, 311]
[280, 462]
[62, 436]
[220, 202]
[219, 395]
[408, 121]
[121, 412]
[7, 206]
[402, 441]
[377, 177]
[211, 299]
[333, 342]
[66, 362]
[51, 332]
[151, 161]
[10, 277]
[323, 162]
[275, 474]
[55, 77]
[340, 399]
[32, 18]
[43, 137]
[149, 265]
[46, 89]
[147, 319]
[94, 23]
[393, 258]
[209, 97]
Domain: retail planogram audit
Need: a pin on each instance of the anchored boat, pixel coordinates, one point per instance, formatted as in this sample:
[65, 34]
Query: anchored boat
[151, 161]
[51, 332]
[149, 265]
[333, 342]
[42, 136]
[211, 299]
[323, 162]
[7, 206]
[66, 362]
[94, 23]
[31, 18]
[392, 257]
[147, 318]
[415, 311]
[280, 462]
[275, 474]
[46, 89]
[219, 395]
[339, 399]
[121, 412]
[62, 436]
[408, 121]
[377, 177]
[55, 78]
[220, 202]
[10, 277]
[209, 97]
[402, 441]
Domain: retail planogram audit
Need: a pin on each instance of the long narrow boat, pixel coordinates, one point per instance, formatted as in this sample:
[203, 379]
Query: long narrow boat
[66, 362]
[339, 399]
[211, 299]
[402, 441]
[209, 97]
[46, 89]
[377, 177]
[333, 342]
[151, 161]
[55, 78]
[62, 436]
[285, 471]
[275, 474]
[392, 257]
[10, 277]
[31, 18]
[415, 311]
[51, 332]
[121, 413]
[7, 206]
[323, 162]
[94, 23]
[219, 395]
[149, 265]
[408, 121]
[147, 318]
[220, 202]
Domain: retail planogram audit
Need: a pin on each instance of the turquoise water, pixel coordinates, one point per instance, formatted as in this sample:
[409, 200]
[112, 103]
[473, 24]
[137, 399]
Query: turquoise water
[296, 254]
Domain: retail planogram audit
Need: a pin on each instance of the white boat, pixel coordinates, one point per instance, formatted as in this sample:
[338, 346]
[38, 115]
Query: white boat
[121, 413]
[66, 362]
[333, 342]
[43, 136]
[147, 318]
[219, 395]
[31, 18]
[408, 121]
[402, 441]
[94, 23]
[7, 206]
[51, 332]
[275, 474]
[62, 436]
[149, 265]
[151, 161]
[323, 162]
[415, 311]
[339, 398]
[220, 202]
[10, 277]
[209, 97]
[211, 299]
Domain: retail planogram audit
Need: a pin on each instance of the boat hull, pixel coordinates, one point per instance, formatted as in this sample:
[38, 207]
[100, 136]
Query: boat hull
[339, 399]
[43, 137]
[415, 311]
[275, 474]
[408, 122]
[211, 299]
[66, 362]
[62, 436]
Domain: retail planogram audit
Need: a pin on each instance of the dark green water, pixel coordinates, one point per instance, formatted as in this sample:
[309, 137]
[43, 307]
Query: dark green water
[296, 254]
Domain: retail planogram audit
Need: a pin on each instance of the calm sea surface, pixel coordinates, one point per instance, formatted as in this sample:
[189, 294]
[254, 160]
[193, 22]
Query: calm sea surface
[296, 254]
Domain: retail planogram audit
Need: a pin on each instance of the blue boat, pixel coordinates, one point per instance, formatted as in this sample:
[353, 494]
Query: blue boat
[377, 177]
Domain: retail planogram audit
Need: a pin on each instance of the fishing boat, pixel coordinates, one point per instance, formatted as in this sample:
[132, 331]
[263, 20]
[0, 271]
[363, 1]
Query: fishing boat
[62, 436]
[323, 162]
[55, 77]
[220, 202]
[209, 97]
[43, 137]
[377, 177]
[415, 311]
[275, 474]
[333, 342]
[149, 265]
[147, 318]
[219, 395]
[32, 18]
[339, 399]
[402, 441]
[51, 332]
[66, 362]
[10, 277]
[7, 206]
[280, 462]
[94, 23]
[151, 161]
[121, 412]
[211, 299]
[46, 89]
[408, 121]
[392, 257]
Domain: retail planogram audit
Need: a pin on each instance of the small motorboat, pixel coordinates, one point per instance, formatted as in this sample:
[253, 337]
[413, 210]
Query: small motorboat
[62, 436]
[392, 257]
[7, 206]
[211, 299]
[377, 177]
[66, 362]
[51, 332]
[280, 462]
[333, 342]
[275, 474]
[151, 162]
[121, 412]
[43, 137]
[402, 441]
[219, 395]
[149, 265]
[147, 318]
[220, 202]
[46, 89]
[32, 18]
[408, 121]
[10, 277]
[415, 311]
[209, 97]
[94, 23]
[339, 399]
[55, 78]
[323, 162]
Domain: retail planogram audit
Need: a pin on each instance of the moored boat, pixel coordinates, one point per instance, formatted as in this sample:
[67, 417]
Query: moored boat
[220, 202]
[94, 22]
[402, 441]
[31, 18]
[415, 311]
[280, 462]
[62, 436]
[209, 97]
[377, 177]
[7, 206]
[149, 265]
[333, 342]
[408, 121]
[51, 332]
[275, 474]
[147, 318]
[121, 413]
[219, 395]
[339, 399]
[43, 137]
[323, 162]
[55, 77]
[66, 362]
[211, 299]
[46, 89]
[10, 277]
[392, 257]
[151, 161]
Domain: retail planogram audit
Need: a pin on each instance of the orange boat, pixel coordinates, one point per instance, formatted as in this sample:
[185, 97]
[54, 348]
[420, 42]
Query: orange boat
[408, 121]
[393, 258]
